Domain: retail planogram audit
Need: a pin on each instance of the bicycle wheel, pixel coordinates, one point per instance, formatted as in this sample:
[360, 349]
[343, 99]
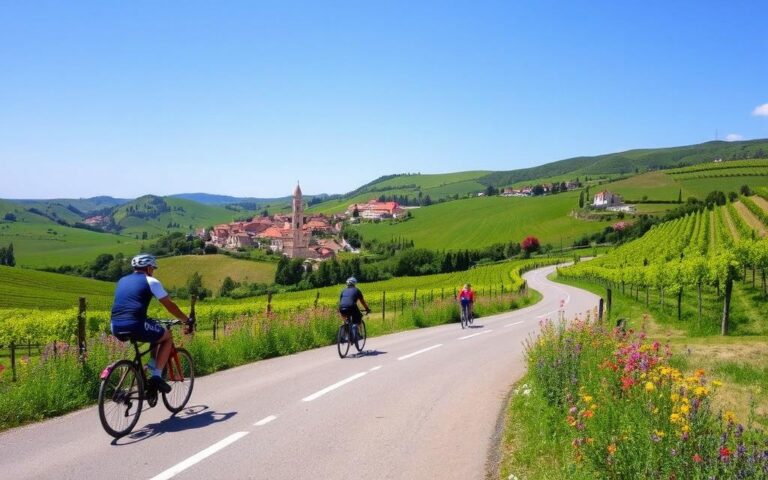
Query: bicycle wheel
[342, 340]
[470, 316]
[361, 336]
[463, 315]
[180, 375]
[121, 395]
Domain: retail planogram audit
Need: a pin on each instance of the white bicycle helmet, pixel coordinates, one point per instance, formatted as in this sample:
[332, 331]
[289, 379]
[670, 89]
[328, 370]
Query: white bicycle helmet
[351, 281]
[144, 260]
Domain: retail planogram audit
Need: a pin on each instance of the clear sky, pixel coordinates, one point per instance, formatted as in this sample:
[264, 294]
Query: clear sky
[246, 98]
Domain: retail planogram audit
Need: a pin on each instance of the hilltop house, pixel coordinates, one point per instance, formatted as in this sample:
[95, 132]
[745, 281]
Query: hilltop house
[376, 210]
[605, 199]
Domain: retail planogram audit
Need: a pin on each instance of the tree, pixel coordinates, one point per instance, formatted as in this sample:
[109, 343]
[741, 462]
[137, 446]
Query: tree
[9, 217]
[227, 286]
[680, 196]
[195, 285]
[745, 190]
[530, 244]
[355, 212]
[538, 190]
[581, 199]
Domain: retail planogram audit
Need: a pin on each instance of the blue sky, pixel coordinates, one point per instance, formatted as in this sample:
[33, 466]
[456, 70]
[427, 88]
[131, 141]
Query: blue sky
[246, 98]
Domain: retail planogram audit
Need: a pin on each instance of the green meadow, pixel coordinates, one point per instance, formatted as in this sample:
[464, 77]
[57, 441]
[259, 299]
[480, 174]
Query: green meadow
[175, 271]
[24, 288]
[477, 222]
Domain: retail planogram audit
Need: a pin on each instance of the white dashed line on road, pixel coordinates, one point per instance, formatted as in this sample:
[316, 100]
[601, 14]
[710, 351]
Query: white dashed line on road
[180, 467]
[420, 351]
[475, 334]
[336, 385]
[265, 421]
[375, 368]
[513, 324]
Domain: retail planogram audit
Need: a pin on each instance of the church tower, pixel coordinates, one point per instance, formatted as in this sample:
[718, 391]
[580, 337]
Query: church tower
[300, 243]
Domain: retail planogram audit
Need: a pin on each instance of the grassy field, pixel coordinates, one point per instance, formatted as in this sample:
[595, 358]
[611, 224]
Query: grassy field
[653, 185]
[47, 244]
[23, 288]
[477, 222]
[174, 271]
[700, 187]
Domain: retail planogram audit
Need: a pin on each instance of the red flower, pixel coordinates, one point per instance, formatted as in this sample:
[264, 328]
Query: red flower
[697, 458]
[626, 383]
[724, 453]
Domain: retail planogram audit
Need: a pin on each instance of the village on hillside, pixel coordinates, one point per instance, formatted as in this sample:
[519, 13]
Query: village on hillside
[314, 237]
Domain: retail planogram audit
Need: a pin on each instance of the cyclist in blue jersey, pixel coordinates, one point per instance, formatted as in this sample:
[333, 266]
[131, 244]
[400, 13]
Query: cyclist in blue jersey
[348, 302]
[133, 294]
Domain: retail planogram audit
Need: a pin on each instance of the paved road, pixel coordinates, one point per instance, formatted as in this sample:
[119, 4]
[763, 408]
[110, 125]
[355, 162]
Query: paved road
[421, 404]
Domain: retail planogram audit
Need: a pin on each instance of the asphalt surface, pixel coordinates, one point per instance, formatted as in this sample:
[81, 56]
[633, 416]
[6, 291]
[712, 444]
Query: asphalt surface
[421, 404]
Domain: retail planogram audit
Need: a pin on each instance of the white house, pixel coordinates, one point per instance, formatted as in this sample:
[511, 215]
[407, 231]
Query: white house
[605, 199]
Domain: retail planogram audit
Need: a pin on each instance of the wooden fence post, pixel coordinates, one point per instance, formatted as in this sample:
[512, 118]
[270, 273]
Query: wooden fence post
[215, 324]
[81, 328]
[383, 305]
[317, 297]
[600, 311]
[414, 297]
[269, 302]
[13, 361]
[608, 295]
[442, 293]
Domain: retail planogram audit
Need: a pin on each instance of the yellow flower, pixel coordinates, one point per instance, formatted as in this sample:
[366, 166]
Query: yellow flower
[701, 391]
[685, 429]
[684, 409]
[611, 449]
[717, 383]
[593, 406]
[674, 418]
[649, 387]
[674, 397]
[587, 399]
[660, 433]
[729, 417]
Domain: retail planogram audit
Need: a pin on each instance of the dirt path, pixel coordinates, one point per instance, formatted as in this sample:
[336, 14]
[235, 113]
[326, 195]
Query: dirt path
[760, 202]
[729, 223]
[751, 220]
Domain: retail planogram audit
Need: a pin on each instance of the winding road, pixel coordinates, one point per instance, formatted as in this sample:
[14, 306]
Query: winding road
[420, 404]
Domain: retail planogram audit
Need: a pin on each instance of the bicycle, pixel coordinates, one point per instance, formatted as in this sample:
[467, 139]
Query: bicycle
[124, 386]
[465, 315]
[350, 333]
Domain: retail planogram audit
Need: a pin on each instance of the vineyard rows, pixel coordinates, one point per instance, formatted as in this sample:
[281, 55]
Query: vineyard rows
[698, 250]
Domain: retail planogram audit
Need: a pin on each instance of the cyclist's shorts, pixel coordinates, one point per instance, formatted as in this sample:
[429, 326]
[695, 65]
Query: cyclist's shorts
[353, 312]
[465, 301]
[143, 330]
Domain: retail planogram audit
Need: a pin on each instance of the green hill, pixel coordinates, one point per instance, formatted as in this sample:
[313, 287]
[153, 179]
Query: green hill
[161, 215]
[415, 186]
[476, 222]
[23, 288]
[175, 271]
[634, 161]
[41, 242]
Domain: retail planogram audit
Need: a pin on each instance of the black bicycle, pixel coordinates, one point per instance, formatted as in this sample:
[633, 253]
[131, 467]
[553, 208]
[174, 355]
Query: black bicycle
[466, 315]
[350, 333]
[125, 387]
